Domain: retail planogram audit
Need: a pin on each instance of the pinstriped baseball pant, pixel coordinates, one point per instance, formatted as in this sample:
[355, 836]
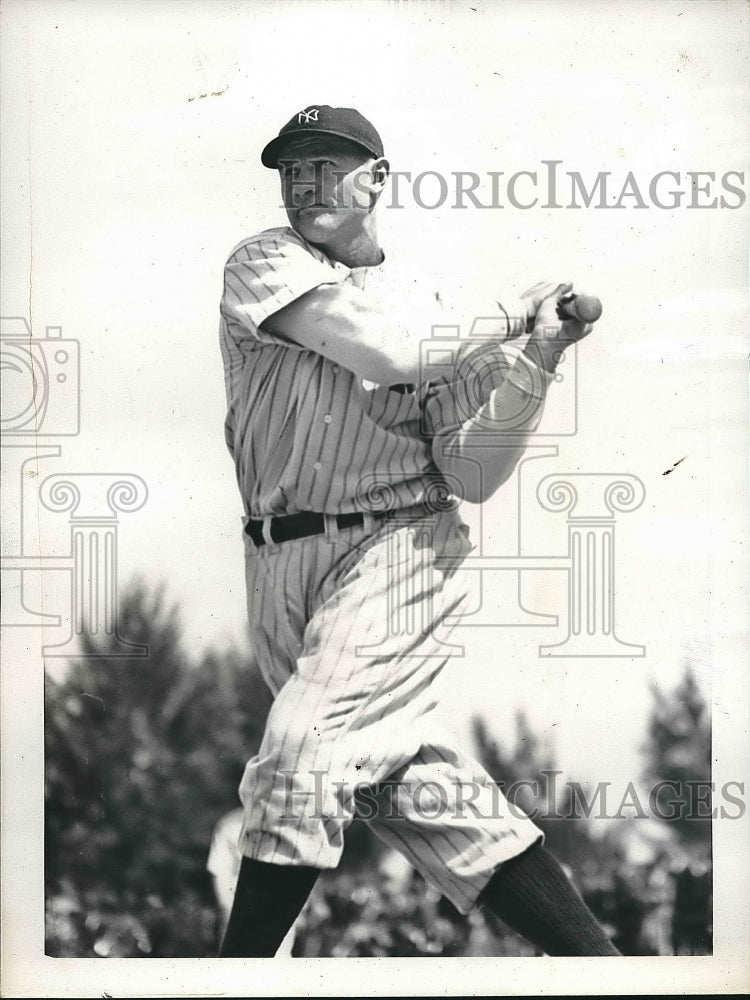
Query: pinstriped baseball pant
[351, 628]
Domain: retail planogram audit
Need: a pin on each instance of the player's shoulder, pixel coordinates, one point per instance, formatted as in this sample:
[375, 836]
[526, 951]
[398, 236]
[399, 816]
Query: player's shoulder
[280, 241]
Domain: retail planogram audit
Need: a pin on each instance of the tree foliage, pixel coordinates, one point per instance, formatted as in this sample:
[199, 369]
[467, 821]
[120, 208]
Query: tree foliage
[660, 904]
[142, 757]
[678, 750]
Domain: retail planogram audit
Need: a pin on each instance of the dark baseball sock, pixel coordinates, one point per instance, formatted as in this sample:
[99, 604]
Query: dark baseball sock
[267, 901]
[532, 894]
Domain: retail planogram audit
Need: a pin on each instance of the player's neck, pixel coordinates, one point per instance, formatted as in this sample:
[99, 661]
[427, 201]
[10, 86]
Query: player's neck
[358, 249]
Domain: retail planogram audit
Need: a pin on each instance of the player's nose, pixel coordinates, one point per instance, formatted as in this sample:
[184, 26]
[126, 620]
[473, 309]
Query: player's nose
[299, 194]
[306, 189]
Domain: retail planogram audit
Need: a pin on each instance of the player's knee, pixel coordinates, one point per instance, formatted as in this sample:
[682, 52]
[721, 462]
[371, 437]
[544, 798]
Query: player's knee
[290, 739]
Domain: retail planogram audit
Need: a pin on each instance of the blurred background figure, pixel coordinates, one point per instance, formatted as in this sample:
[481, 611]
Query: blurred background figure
[223, 864]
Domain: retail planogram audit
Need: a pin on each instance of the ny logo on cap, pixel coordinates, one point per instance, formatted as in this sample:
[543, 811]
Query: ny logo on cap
[307, 116]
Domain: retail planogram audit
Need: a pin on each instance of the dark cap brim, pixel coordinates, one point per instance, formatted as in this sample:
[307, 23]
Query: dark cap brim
[272, 152]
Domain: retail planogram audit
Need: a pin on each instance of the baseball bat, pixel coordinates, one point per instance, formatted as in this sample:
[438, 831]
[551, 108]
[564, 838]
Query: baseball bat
[584, 308]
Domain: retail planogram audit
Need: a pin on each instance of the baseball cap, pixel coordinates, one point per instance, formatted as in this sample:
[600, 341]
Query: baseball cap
[322, 119]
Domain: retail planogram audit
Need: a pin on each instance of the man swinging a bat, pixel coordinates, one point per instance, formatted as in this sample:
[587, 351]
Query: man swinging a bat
[351, 467]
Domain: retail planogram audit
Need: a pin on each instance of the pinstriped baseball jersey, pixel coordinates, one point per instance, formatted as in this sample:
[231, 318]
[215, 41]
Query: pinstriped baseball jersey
[307, 434]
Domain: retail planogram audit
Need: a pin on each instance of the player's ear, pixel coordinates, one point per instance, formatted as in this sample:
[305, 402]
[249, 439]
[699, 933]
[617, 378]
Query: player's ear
[379, 169]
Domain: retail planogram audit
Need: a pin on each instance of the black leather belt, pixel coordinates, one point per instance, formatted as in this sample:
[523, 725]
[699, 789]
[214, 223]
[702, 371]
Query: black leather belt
[286, 529]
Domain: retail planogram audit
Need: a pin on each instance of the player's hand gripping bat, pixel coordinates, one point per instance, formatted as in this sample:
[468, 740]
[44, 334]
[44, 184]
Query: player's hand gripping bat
[584, 308]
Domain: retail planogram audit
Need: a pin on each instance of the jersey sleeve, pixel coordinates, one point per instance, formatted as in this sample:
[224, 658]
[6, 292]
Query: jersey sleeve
[263, 275]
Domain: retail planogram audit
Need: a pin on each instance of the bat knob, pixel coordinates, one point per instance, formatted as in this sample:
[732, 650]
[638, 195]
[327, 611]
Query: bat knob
[584, 308]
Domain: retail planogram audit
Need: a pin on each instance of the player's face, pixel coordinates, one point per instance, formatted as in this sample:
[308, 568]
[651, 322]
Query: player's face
[327, 186]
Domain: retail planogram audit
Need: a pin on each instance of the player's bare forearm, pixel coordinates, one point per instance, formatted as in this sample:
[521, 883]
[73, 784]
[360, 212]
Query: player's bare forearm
[480, 470]
[483, 451]
[341, 323]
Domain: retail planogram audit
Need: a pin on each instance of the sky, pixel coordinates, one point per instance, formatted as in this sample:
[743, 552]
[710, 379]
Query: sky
[131, 143]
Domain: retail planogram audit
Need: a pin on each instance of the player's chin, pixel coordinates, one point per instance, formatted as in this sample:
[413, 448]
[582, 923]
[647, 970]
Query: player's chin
[318, 224]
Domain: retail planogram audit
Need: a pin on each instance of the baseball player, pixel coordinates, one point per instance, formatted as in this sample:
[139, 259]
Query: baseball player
[350, 468]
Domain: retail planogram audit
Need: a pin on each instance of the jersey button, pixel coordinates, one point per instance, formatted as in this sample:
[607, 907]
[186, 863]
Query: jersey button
[336, 369]
[327, 419]
[317, 466]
